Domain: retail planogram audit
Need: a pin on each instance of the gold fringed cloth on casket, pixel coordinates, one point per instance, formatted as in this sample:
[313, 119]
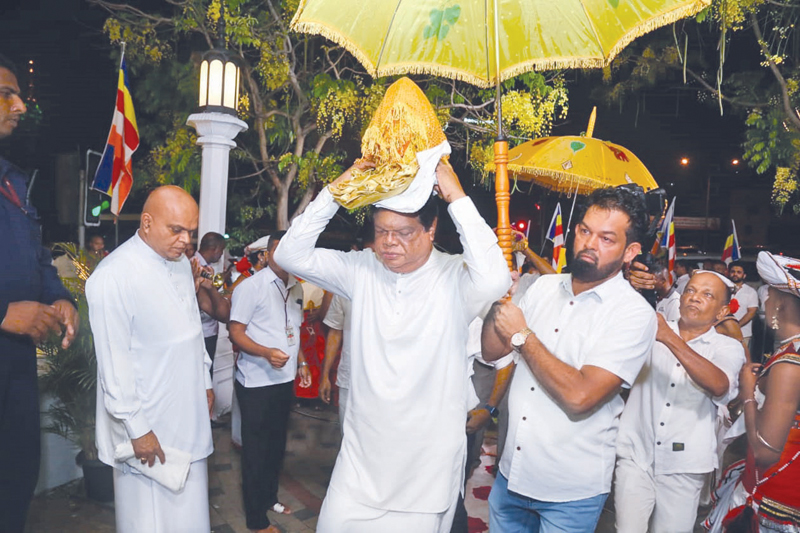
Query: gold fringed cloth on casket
[404, 124]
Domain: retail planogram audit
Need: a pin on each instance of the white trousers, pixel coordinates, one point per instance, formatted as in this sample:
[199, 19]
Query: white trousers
[667, 502]
[340, 513]
[145, 506]
[343, 395]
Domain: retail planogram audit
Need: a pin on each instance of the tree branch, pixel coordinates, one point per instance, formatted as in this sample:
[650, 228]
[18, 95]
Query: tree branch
[788, 109]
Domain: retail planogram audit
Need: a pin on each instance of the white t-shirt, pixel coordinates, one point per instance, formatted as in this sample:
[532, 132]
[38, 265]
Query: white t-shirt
[268, 309]
[550, 455]
[747, 298]
[681, 283]
[338, 317]
[669, 422]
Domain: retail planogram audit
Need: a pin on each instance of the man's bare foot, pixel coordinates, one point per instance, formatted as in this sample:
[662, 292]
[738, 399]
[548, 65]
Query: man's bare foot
[280, 508]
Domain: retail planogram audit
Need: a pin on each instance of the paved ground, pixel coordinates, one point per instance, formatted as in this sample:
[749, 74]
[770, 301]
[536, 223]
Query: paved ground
[311, 452]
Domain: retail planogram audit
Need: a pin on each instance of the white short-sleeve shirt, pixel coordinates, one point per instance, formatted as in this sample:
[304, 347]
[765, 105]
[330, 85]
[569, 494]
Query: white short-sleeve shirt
[670, 307]
[747, 298]
[210, 324]
[669, 422]
[338, 317]
[550, 455]
[268, 308]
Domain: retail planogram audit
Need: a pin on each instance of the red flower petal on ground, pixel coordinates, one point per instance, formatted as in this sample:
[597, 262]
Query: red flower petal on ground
[482, 493]
[476, 525]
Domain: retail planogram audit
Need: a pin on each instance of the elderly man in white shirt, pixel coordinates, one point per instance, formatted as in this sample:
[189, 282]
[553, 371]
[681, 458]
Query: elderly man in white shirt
[580, 338]
[667, 438]
[266, 316]
[401, 464]
[154, 388]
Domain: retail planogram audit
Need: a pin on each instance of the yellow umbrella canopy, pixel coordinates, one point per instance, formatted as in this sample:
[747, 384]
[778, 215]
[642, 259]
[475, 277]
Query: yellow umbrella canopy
[456, 38]
[578, 163]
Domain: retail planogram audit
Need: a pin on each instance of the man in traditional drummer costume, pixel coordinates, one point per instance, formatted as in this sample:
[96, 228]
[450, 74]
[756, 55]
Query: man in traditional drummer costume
[153, 382]
[401, 464]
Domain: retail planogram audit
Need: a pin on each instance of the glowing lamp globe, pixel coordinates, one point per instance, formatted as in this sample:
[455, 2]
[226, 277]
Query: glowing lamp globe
[219, 82]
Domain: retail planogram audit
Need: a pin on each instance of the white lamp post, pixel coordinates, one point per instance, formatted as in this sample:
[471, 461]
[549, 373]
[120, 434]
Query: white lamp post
[217, 126]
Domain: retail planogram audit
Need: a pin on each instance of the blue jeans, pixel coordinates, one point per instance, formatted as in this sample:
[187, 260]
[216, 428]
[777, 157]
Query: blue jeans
[510, 512]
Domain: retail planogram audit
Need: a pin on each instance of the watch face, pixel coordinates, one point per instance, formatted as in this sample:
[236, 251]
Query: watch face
[517, 340]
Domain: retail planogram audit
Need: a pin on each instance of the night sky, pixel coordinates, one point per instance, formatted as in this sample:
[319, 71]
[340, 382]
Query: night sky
[75, 84]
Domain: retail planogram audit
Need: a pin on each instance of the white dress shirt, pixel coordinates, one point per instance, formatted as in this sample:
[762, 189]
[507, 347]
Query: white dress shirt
[550, 455]
[747, 298]
[681, 282]
[338, 317]
[210, 324]
[404, 444]
[268, 308]
[152, 366]
[670, 307]
[669, 422]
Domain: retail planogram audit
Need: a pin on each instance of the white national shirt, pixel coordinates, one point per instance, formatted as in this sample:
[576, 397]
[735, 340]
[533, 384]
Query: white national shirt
[550, 455]
[681, 282]
[669, 422]
[747, 298]
[404, 443]
[338, 317]
[210, 324]
[670, 307]
[267, 308]
[152, 366]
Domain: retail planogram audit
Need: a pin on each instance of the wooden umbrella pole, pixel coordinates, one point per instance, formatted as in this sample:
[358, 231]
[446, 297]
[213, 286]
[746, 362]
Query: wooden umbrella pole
[503, 198]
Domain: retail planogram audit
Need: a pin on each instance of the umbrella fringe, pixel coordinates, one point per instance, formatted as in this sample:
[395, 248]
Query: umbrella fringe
[317, 28]
[656, 22]
[564, 181]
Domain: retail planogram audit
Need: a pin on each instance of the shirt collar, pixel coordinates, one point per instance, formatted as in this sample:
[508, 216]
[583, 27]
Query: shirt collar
[148, 252]
[705, 338]
[601, 292]
[272, 276]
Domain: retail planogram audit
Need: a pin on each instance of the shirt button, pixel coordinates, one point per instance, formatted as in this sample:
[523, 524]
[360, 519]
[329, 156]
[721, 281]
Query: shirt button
[662, 423]
[533, 388]
[572, 303]
[678, 364]
[671, 384]
[667, 404]
[556, 330]
[659, 443]
[524, 417]
[518, 448]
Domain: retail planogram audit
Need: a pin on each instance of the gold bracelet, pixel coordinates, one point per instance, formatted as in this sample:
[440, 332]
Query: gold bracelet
[767, 444]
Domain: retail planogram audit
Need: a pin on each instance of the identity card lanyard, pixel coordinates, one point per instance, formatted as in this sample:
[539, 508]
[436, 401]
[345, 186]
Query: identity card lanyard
[290, 337]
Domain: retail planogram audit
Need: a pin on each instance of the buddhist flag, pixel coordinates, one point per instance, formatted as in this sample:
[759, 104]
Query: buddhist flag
[114, 176]
[556, 235]
[667, 239]
[731, 252]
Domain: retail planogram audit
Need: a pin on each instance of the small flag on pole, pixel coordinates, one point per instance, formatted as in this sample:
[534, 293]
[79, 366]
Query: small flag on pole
[665, 240]
[556, 235]
[731, 252]
[114, 175]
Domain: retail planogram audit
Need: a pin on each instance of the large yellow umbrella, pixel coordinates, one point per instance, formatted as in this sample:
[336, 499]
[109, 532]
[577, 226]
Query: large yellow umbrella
[578, 164]
[485, 42]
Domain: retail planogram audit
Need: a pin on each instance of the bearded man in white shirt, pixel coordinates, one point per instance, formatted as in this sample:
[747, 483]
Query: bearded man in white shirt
[580, 338]
[747, 298]
[667, 442]
[401, 464]
[153, 383]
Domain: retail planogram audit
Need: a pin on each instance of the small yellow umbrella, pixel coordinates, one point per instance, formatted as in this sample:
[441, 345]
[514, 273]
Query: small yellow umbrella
[579, 164]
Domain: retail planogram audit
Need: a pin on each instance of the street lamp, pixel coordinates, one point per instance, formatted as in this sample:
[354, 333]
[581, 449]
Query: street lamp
[217, 125]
